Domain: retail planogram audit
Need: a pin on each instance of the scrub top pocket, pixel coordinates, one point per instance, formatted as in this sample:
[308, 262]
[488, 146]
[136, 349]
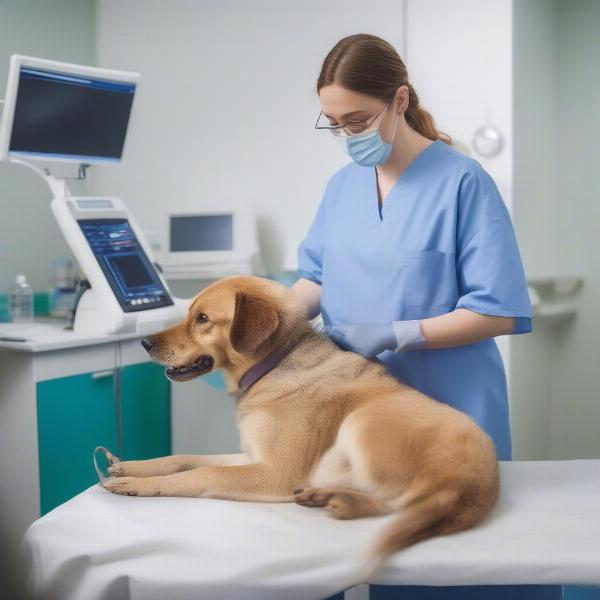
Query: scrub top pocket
[425, 278]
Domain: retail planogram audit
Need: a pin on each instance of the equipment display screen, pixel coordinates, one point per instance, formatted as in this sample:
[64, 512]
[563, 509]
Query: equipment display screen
[198, 233]
[129, 272]
[58, 115]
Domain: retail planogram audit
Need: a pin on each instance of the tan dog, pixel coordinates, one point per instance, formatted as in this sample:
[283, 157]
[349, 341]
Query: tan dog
[324, 427]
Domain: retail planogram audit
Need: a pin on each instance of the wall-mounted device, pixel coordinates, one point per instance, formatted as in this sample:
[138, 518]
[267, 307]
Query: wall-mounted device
[74, 113]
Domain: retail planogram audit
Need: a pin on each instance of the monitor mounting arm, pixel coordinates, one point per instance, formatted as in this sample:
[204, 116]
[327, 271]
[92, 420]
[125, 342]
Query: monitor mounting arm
[58, 187]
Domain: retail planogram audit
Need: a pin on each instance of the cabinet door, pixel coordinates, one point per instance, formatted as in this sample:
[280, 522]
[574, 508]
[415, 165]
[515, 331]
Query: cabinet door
[75, 414]
[145, 412]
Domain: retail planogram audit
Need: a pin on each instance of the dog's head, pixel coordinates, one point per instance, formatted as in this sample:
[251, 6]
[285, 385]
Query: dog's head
[233, 322]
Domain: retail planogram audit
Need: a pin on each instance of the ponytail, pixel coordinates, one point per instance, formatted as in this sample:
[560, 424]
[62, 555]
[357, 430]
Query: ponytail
[421, 120]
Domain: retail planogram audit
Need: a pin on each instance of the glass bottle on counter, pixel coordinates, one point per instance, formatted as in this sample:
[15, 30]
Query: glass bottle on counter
[21, 301]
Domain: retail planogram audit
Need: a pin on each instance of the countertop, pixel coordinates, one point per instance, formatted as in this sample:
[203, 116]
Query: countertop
[47, 333]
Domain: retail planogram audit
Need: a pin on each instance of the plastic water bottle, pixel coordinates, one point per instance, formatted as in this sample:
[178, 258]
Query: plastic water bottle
[21, 301]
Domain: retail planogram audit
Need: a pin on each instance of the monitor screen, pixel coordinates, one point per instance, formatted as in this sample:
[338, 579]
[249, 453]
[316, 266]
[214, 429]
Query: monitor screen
[198, 233]
[58, 115]
[129, 272]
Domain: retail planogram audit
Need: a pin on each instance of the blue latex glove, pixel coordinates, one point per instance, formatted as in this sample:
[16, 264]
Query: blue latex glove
[365, 339]
[372, 339]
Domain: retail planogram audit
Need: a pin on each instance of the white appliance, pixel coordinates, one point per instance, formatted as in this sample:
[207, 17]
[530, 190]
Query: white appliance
[57, 111]
[219, 240]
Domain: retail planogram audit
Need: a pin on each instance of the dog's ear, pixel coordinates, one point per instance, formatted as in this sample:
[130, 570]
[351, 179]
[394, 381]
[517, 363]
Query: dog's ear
[254, 321]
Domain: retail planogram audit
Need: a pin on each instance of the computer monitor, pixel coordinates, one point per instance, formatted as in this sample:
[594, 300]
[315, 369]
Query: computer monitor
[200, 233]
[65, 112]
[219, 232]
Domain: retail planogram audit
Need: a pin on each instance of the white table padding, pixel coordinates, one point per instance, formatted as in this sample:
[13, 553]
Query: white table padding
[545, 528]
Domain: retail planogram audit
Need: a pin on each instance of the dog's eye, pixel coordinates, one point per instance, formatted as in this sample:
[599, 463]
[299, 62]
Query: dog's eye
[202, 318]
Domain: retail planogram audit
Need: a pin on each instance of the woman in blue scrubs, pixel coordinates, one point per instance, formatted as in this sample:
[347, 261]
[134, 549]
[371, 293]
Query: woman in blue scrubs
[412, 258]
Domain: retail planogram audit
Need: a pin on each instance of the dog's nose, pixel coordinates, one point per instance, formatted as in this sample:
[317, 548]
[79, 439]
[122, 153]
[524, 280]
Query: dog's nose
[148, 342]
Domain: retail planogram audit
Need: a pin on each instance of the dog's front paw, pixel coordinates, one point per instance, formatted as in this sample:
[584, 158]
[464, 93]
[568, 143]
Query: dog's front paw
[119, 469]
[131, 486]
[130, 468]
[112, 459]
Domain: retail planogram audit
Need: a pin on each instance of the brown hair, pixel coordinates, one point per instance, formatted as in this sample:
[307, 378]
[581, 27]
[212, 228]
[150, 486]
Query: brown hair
[369, 65]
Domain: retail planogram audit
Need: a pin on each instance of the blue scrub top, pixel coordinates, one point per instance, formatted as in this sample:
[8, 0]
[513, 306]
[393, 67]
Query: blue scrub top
[442, 240]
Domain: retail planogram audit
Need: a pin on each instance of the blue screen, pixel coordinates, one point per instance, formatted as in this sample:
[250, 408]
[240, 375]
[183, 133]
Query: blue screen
[131, 276]
[58, 115]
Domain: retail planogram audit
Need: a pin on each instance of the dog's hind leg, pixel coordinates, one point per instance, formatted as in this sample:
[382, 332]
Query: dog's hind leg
[333, 484]
[342, 503]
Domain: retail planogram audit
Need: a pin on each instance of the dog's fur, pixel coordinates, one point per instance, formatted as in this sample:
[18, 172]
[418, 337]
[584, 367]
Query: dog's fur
[325, 427]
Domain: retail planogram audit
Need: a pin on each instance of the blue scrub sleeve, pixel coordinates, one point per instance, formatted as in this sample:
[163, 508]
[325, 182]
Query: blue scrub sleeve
[310, 251]
[490, 273]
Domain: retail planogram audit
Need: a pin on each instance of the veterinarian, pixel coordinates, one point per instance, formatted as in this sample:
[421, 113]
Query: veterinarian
[412, 257]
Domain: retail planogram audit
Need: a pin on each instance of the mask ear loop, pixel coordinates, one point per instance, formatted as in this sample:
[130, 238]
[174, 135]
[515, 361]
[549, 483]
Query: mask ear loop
[395, 126]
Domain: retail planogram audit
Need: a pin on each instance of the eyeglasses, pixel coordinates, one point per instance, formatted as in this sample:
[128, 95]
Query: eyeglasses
[350, 128]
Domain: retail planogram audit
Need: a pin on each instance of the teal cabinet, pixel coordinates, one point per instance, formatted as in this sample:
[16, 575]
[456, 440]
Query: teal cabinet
[75, 414]
[145, 412]
[126, 409]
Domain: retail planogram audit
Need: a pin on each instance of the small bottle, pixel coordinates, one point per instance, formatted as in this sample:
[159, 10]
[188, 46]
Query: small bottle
[21, 301]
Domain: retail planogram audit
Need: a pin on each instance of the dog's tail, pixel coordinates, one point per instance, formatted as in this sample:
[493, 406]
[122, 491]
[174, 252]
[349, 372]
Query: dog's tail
[424, 513]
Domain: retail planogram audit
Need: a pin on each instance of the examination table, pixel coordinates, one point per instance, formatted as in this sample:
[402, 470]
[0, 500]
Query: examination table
[545, 528]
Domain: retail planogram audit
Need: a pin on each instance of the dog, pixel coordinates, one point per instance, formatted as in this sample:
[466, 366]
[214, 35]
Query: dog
[319, 426]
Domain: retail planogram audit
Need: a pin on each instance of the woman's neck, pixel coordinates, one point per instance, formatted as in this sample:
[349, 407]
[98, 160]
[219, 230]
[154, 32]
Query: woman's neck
[406, 146]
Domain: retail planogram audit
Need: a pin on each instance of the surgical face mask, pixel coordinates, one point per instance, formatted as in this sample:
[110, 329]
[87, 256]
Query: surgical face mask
[367, 149]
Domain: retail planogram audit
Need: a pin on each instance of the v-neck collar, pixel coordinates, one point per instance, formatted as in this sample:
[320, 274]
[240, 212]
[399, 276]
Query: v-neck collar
[400, 179]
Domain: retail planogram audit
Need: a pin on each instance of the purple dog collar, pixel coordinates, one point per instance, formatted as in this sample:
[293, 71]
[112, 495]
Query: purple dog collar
[254, 373]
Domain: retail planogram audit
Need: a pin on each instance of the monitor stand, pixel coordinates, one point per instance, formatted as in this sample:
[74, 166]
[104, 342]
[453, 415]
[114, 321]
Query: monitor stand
[90, 318]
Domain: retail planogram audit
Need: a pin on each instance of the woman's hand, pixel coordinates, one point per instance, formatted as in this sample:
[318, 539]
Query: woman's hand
[368, 340]
[373, 338]
[457, 328]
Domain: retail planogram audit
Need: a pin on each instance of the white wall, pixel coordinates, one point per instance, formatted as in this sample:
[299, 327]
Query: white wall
[535, 55]
[458, 54]
[557, 92]
[575, 408]
[535, 130]
[227, 104]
